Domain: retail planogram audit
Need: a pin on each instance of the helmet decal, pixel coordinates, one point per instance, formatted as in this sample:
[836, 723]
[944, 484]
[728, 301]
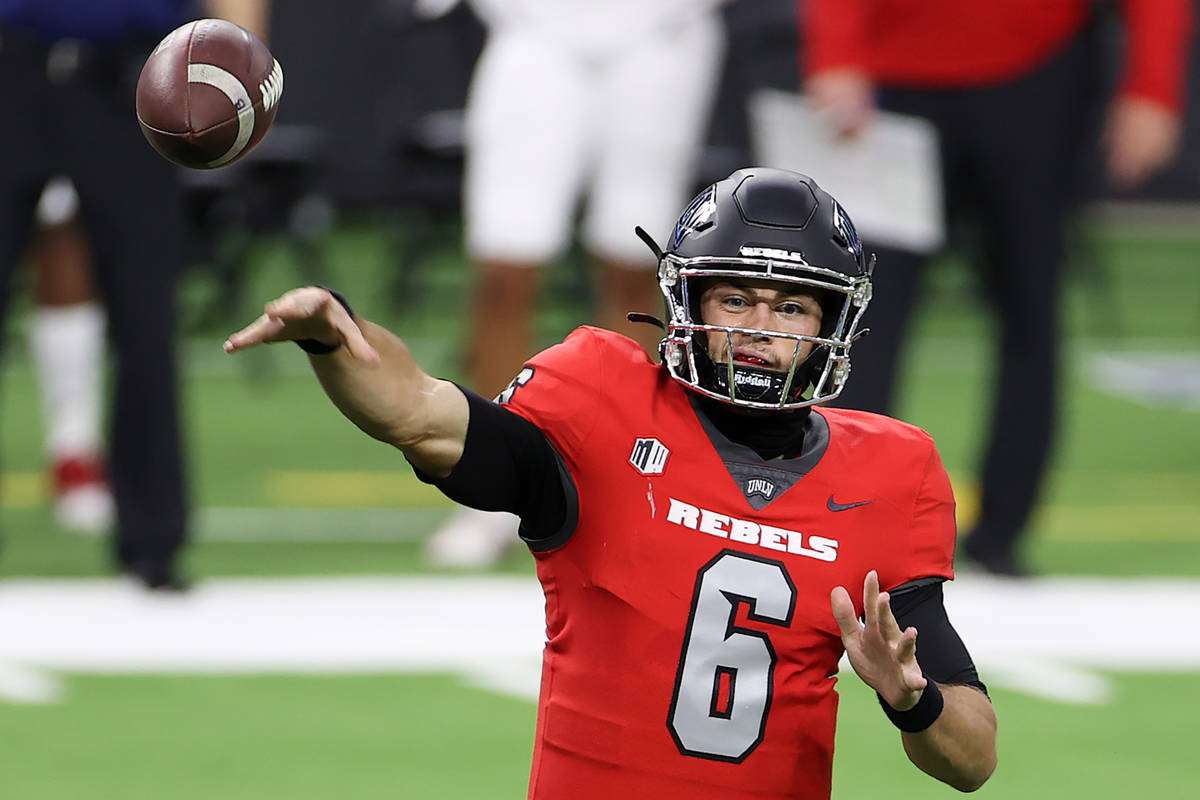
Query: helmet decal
[844, 231]
[749, 251]
[699, 214]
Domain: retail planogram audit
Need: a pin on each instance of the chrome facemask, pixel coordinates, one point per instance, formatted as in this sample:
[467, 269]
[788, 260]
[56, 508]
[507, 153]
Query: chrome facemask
[825, 369]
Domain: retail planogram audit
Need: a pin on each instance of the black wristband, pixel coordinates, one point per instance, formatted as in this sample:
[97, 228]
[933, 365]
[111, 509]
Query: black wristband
[315, 346]
[920, 716]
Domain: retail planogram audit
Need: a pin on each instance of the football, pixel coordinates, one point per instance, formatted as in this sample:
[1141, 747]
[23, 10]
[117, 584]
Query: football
[208, 93]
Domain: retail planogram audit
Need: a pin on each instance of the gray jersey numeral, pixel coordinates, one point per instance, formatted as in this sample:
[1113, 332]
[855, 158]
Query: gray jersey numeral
[724, 684]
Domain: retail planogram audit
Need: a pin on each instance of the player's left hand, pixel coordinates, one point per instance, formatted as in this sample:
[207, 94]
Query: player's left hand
[883, 656]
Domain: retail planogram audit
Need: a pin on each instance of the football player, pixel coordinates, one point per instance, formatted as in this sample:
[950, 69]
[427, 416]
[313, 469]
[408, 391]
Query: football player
[708, 540]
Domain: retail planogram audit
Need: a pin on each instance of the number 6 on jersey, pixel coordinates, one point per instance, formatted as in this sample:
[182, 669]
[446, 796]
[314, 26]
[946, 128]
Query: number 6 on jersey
[724, 685]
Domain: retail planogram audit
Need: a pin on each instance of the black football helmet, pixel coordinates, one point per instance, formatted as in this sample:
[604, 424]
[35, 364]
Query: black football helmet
[769, 224]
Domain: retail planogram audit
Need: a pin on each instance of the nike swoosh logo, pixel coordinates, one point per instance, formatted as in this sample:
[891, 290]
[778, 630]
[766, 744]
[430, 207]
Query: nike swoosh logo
[832, 506]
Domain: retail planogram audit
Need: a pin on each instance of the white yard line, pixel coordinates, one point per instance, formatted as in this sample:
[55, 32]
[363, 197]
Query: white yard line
[1054, 638]
[1158, 380]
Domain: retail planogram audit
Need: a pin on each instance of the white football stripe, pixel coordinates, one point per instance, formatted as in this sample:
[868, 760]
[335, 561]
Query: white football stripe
[233, 89]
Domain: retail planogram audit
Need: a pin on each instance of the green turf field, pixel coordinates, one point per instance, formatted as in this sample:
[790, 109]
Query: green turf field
[285, 487]
[428, 738]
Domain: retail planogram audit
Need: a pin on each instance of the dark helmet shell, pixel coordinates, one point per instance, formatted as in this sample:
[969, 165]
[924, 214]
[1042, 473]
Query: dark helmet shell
[774, 224]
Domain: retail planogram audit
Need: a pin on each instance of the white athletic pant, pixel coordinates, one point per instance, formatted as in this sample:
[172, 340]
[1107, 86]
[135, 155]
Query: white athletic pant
[550, 125]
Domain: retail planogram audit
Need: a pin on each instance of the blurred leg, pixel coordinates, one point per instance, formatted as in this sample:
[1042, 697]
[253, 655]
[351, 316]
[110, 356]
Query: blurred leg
[60, 249]
[501, 336]
[1027, 173]
[17, 201]
[1025, 397]
[132, 207]
[526, 150]
[66, 338]
[21, 178]
[18, 198]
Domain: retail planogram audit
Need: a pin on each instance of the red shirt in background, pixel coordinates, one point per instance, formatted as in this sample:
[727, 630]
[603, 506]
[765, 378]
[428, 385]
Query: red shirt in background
[961, 43]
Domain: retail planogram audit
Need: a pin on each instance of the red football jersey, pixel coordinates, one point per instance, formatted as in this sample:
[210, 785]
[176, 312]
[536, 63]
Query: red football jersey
[691, 648]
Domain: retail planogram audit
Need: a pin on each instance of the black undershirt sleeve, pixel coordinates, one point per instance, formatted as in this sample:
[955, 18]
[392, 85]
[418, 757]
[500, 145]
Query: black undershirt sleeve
[508, 464]
[940, 651]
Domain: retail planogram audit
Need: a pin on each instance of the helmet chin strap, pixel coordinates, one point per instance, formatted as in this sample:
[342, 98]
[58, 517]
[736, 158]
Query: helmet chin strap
[649, 319]
[649, 240]
[639, 316]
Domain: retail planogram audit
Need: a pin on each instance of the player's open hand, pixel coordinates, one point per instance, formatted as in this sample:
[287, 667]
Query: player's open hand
[307, 313]
[883, 656]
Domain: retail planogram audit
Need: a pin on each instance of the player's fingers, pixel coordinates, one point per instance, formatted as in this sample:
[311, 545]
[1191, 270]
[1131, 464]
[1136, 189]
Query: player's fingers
[887, 620]
[907, 648]
[843, 612]
[354, 341]
[298, 304]
[871, 599]
[312, 313]
[263, 329]
[906, 656]
[885, 623]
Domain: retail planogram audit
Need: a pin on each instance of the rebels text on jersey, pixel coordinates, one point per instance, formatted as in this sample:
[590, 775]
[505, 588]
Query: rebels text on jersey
[691, 647]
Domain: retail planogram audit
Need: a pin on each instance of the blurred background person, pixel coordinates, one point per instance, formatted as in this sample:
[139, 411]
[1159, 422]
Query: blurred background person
[600, 101]
[66, 347]
[1014, 90]
[71, 66]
